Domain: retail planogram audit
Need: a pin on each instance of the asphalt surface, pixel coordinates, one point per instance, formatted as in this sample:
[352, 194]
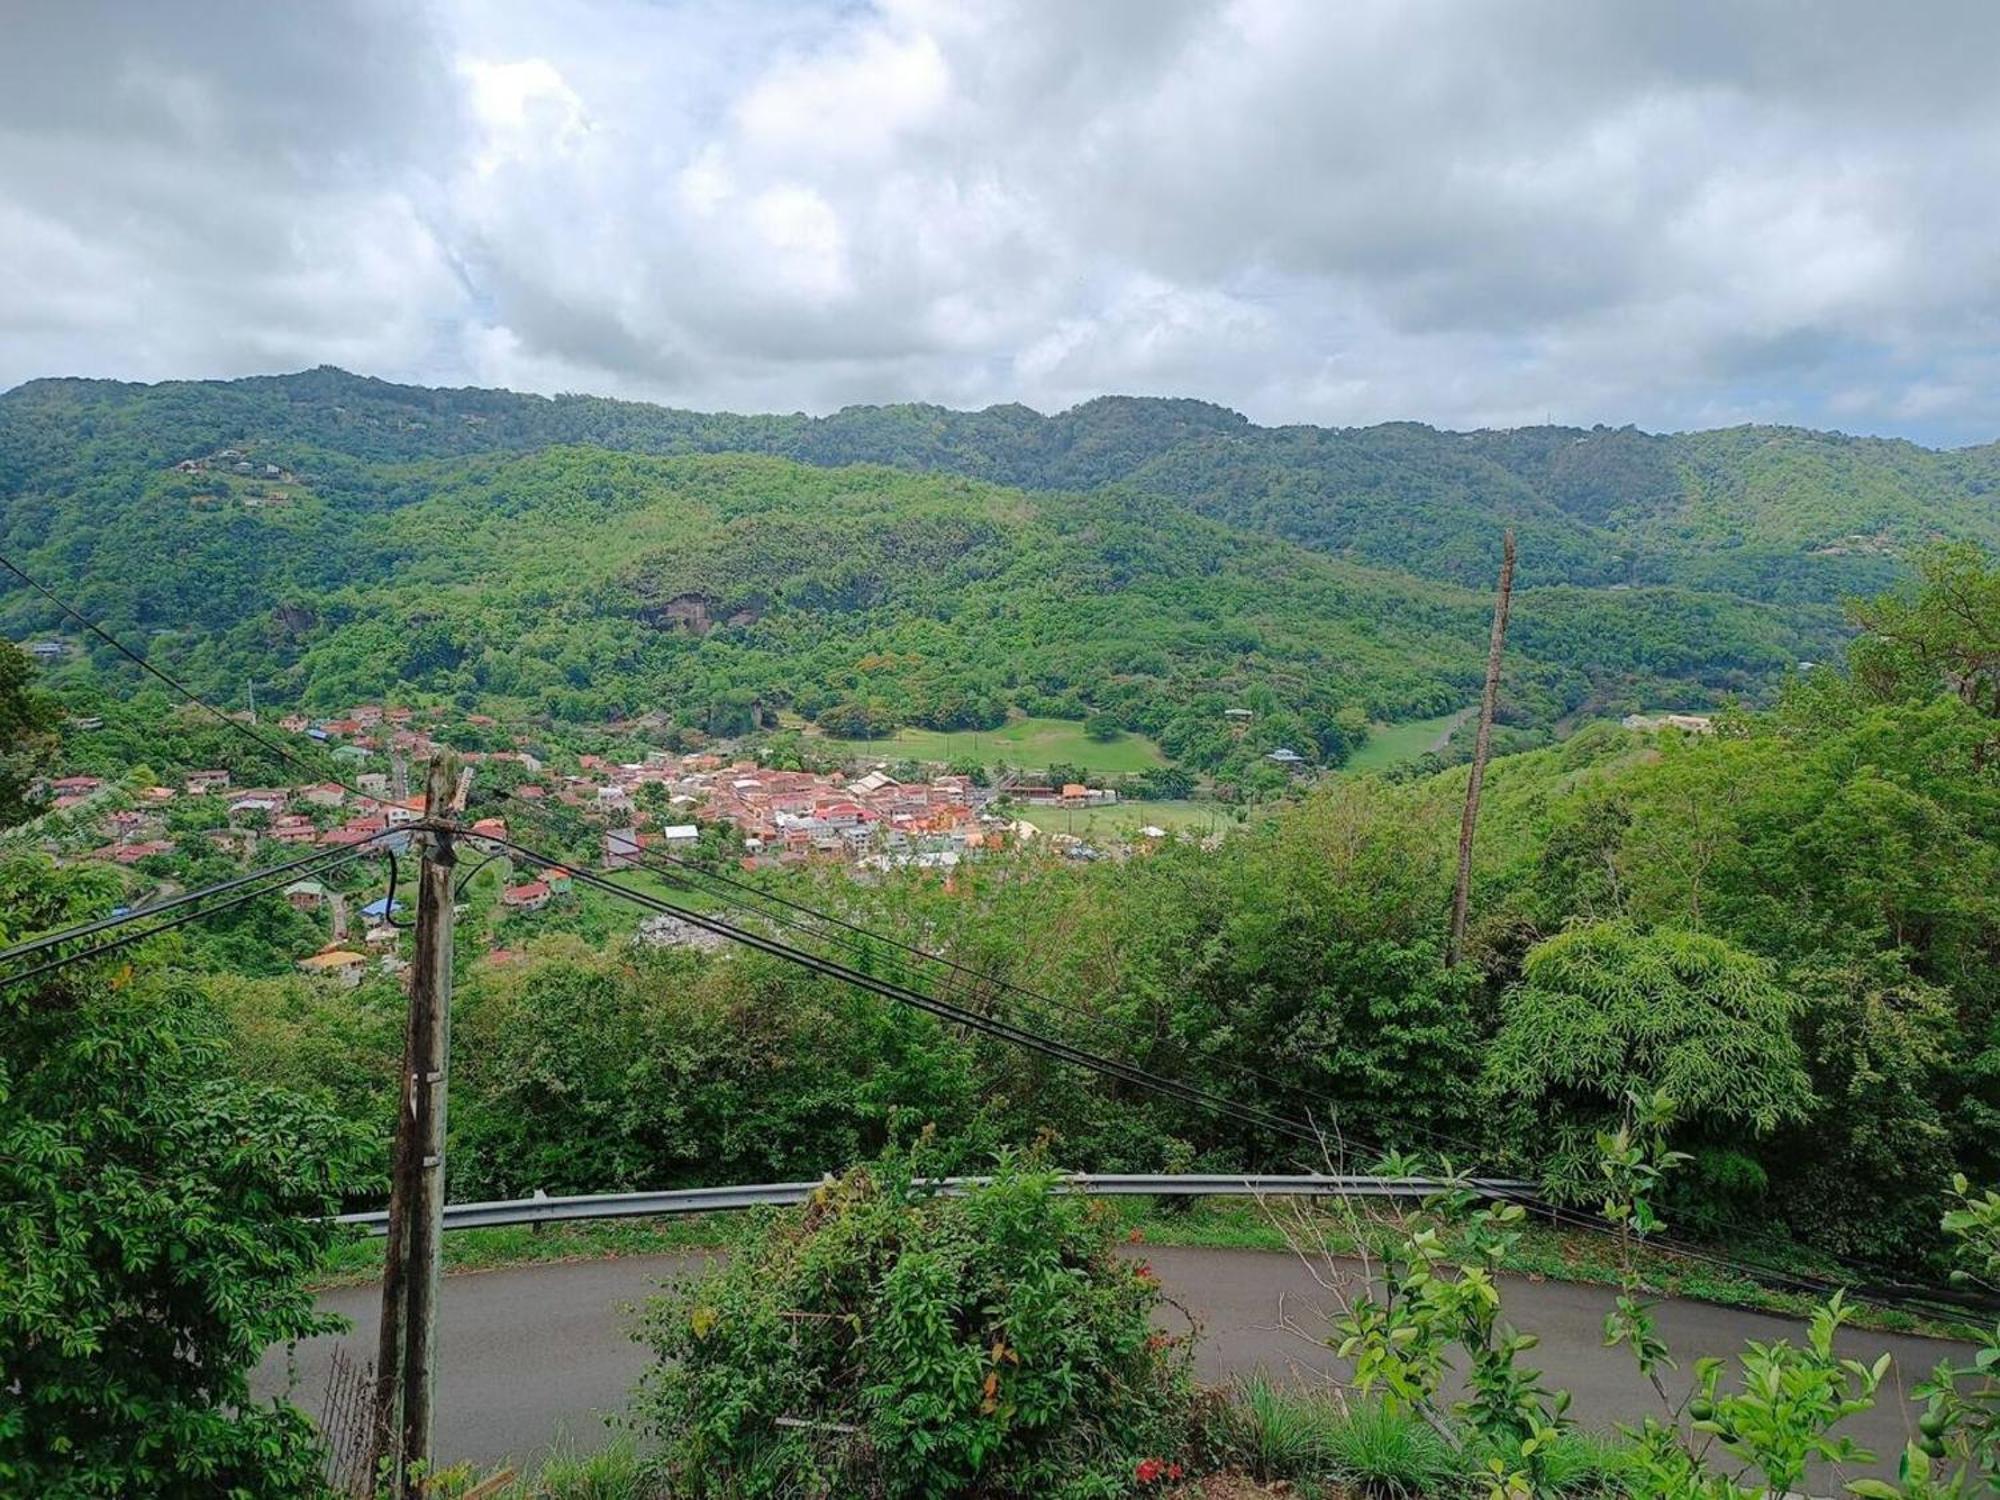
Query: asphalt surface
[541, 1355]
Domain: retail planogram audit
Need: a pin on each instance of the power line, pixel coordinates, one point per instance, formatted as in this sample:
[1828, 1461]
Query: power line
[1096, 1019]
[1762, 1272]
[335, 859]
[1131, 1072]
[1005, 1031]
[1105, 1024]
[284, 752]
[903, 994]
[105, 924]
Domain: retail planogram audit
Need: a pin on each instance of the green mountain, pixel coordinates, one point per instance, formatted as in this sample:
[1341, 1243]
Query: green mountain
[1157, 560]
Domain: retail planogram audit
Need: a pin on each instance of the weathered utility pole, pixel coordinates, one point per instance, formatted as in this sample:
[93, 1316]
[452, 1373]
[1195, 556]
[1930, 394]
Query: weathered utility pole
[406, 1365]
[1455, 949]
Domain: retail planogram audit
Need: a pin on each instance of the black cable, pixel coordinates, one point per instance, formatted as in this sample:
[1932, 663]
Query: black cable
[275, 747]
[943, 1010]
[1762, 1273]
[389, 901]
[335, 860]
[458, 891]
[1756, 1271]
[1106, 1023]
[104, 924]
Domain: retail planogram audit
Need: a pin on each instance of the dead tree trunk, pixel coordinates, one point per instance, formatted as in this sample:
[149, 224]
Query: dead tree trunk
[1461, 895]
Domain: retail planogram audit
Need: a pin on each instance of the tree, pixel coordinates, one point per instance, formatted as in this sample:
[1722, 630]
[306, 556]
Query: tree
[1062, 773]
[1945, 633]
[732, 713]
[857, 720]
[1605, 1012]
[27, 722]
[1102, 727]
[162, 1216]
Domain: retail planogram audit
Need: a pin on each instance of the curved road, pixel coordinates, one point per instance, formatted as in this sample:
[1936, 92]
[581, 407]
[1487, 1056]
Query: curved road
[540, 1354]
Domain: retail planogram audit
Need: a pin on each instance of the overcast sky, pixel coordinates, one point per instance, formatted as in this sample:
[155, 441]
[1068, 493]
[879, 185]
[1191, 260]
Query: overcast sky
[1466, 212]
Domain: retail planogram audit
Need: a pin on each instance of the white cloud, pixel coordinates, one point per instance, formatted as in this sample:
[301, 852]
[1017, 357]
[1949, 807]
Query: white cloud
[1439, 209]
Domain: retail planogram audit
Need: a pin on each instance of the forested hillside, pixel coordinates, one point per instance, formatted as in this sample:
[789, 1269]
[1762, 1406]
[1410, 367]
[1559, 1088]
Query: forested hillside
[1756, 509]
[328, 536]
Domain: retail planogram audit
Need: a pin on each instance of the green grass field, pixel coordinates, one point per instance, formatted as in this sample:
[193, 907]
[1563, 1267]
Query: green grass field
[1393, 744]
[1028, 743]
[1126, 818]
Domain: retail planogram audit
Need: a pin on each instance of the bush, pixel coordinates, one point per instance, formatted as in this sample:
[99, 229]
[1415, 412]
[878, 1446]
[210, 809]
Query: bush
[884, 1341]
[160, 1219]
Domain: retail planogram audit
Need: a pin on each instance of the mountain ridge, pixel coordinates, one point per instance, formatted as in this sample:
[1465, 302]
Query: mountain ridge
[1109, 398]
[1759, 511]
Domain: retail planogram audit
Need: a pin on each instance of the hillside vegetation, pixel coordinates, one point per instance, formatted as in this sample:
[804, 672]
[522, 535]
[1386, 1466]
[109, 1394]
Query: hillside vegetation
[1818, 514]
[1155, 561]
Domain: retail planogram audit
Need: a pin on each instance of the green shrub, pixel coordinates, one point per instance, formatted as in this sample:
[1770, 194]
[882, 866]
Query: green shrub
[885, 1341]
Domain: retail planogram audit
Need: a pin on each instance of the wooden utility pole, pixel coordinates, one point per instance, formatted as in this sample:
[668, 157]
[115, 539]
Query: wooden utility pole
[406, 1364]
[1463, 892]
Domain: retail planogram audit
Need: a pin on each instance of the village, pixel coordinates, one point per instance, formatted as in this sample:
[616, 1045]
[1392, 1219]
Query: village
[718, 804]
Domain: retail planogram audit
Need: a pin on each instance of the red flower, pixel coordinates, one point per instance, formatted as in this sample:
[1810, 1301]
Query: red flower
[1135, 1236]
[1144, 1271]
[1149, 1469]
[1174, 1472]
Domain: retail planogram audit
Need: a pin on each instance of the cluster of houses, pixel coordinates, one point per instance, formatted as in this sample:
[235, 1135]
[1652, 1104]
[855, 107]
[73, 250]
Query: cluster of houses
[658, 804]
[238, 464]
[785, 817]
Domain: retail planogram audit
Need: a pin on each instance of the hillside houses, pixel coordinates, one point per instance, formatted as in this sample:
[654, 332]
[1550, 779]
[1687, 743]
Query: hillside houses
[1686, 723]
[1069, 794]
[530, 895]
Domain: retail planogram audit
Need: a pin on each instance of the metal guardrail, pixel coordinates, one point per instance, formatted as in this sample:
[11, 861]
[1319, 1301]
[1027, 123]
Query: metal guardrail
[546, 1210]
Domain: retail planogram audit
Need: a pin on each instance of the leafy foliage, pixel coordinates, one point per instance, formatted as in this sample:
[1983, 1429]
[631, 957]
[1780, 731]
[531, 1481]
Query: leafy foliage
[1604, 1013]
[885, 1341]
[159, 1226]
[27, 724]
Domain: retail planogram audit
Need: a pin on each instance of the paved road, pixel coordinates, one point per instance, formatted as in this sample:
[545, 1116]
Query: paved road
[541, 1353]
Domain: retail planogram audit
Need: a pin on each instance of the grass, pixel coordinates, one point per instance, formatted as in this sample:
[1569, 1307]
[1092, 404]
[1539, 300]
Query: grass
[1393, 744]
[1125, 818]
[1300, 1436]
[1275, 1432]
[613, 1472]
[1029, 743]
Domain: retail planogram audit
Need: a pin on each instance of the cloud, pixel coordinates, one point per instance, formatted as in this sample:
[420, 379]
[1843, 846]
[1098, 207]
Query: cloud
[1438, 209]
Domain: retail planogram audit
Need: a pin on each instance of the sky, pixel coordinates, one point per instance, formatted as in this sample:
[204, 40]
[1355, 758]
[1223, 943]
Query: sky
[1462, 212]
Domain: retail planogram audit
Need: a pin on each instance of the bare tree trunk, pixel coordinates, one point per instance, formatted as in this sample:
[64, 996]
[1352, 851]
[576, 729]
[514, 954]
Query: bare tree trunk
[1462, 894]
